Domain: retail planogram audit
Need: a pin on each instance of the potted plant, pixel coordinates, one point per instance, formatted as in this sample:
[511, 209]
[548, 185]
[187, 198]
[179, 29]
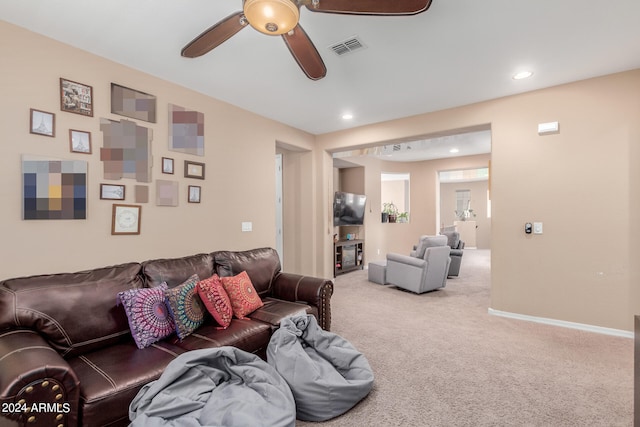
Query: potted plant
[403, 217]
[391, 210]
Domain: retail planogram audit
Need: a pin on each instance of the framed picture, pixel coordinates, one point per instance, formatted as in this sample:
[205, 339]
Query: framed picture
[53, 188]
[133, 103]
[193, 169]
[167, 165]
[76, 97]
[194, 194]
[80, 141]
[125, 219]
[167, 192]
[42, 123]
[111, 192]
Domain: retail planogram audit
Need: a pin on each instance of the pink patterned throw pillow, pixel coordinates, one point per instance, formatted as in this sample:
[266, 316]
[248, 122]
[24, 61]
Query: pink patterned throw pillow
[243, 296]
[216, 300]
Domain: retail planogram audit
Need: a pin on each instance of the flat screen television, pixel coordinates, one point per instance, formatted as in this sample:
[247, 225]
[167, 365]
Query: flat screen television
[348, 208]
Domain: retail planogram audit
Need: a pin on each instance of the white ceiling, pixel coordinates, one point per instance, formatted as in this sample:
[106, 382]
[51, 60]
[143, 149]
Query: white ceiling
[457, 52]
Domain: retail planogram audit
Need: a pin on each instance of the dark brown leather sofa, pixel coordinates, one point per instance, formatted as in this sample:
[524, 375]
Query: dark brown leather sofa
[66, 346]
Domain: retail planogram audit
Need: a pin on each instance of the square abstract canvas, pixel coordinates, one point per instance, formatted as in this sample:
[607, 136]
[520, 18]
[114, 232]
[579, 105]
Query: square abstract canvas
[141, 194]
[132, 103]
[166, 193]
[54, 189]
[126, 150]
[186, 130]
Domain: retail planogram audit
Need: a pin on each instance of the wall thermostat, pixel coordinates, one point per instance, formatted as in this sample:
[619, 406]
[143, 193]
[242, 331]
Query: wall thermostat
[528, 228]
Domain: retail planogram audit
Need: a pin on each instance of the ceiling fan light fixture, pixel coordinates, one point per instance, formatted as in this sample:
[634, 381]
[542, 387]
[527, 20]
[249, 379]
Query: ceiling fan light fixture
[273, 17]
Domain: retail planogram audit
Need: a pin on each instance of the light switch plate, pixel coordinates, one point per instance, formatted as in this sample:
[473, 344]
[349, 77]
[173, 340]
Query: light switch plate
[537, 228]
[247, 226]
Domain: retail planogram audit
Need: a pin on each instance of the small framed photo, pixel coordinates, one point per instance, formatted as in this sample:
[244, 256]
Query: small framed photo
[80, 141]
[125, 219]
[42, 123]
[76, 97]
[167, 165]
[193, 169]
[111, 192]
[194, 194]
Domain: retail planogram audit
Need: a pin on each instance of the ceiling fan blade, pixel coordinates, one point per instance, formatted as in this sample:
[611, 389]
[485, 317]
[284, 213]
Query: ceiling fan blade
[370, 7]
[305, 53]
[214, 36]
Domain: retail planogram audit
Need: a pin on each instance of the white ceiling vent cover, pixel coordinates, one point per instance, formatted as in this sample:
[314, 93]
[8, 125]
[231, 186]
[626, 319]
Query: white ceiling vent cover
[346, 46]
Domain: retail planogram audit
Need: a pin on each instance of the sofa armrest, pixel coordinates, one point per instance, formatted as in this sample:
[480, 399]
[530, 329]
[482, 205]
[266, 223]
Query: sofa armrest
[406, 259]
[311, 290]
[456, 252]
[37, 386]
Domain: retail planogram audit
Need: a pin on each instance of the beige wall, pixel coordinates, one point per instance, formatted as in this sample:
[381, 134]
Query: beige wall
[394, 192]
[239, 157]
[581, 183]
[298, 236]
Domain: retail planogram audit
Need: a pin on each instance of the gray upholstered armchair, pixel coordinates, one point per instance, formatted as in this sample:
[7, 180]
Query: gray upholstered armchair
[456, 245]
[424, 270]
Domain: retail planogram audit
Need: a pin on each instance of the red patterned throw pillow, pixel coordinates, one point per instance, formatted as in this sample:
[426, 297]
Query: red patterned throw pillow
[243, 296]
[216, 300]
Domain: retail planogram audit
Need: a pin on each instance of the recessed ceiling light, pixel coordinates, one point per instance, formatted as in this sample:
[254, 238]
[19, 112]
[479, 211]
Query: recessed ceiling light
[522, 75]
[454, 150]
[347, 116]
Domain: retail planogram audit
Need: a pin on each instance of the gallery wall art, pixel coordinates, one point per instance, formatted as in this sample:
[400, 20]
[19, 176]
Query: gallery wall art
[79, 141]
[42, 123]
[166, 193]
[186, 130]
[125, 219]
[54, 189]
[126, 150]
[141, 194]
[76, 97]
[132, 103]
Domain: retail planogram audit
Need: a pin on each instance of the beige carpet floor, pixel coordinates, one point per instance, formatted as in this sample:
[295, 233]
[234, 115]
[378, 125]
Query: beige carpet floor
[440, 359]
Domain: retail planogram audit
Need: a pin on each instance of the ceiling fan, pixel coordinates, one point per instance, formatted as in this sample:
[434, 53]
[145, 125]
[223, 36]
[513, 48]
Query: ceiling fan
[280, 17]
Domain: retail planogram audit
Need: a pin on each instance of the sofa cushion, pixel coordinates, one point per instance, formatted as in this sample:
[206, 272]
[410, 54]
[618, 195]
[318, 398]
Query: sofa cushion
[111, 377]
[262, 265]
[245, 334]
[149, 317]
[62, 307]
[174, 271]
[215, 298]
[186, 307]
[243, 296]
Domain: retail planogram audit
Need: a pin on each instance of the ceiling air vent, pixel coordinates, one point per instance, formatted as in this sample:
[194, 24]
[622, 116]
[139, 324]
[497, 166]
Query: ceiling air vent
[346, 46]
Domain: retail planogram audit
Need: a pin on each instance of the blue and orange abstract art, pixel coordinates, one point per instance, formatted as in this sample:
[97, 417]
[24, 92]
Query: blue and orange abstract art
[54, 189]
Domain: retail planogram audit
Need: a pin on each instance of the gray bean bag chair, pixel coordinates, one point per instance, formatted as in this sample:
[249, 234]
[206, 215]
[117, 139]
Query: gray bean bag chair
[221, 386]
[327, 375]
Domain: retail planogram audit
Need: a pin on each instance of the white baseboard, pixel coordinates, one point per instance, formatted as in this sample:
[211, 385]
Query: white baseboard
[563, 324]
